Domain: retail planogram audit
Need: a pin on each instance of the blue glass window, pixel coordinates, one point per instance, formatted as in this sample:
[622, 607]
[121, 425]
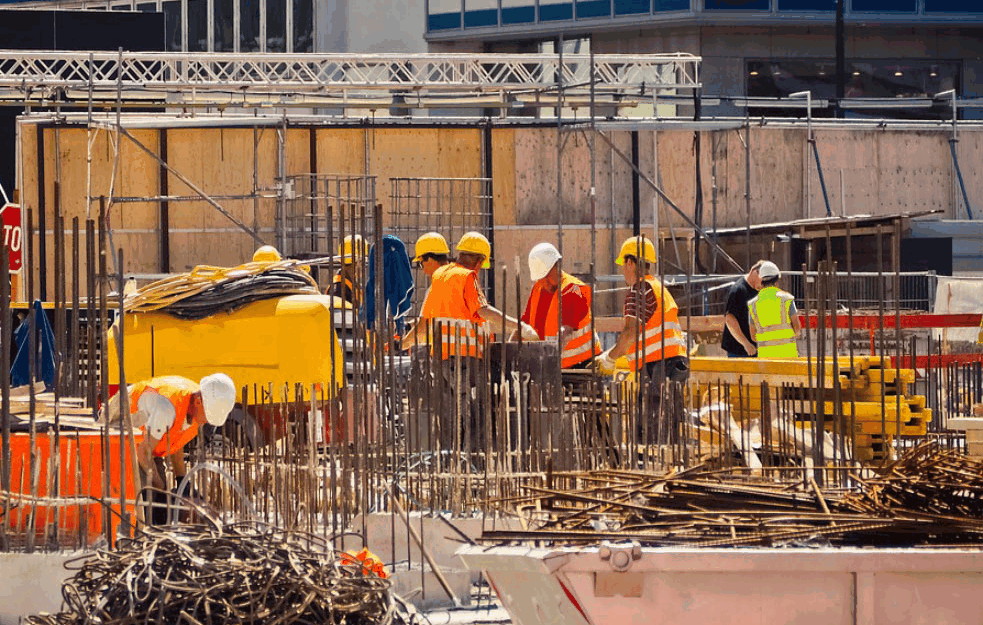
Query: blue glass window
[672, 5]
[950, 6]
[555, 11]
[593, 8]
[518, 11]
[737, 5]
[885, 6]
[631, 7]
[444, 21]
[484, 17]
[806, 5]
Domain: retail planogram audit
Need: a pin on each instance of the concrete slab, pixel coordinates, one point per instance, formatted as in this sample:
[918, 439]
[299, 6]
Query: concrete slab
[31, 584]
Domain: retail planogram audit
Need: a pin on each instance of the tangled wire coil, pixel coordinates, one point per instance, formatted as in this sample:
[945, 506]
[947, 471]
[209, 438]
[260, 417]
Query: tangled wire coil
[240, 573]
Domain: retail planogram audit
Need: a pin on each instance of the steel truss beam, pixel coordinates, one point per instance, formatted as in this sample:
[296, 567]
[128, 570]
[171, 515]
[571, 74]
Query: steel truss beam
[136, 76]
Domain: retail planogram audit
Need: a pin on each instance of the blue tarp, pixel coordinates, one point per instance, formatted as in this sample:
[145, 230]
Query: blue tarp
[44, 365]
[397, 283]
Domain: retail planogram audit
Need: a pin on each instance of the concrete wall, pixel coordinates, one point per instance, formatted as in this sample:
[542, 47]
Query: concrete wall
[370, 26]
[31, 584]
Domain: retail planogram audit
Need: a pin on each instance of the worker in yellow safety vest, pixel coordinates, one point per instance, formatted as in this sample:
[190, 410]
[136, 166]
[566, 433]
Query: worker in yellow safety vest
[651, 340]
[171, 409]
[345, 283]
[579, 343]
[774, 318]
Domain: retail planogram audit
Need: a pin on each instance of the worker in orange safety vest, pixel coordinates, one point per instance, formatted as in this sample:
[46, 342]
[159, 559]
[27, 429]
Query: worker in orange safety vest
[579, 344]
[458, 316]
[651, 340]
[171, 409]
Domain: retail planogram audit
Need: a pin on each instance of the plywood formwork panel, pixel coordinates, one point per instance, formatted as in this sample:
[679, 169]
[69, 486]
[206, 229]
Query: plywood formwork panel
[422, 153]
[503, 175]
[341, 151]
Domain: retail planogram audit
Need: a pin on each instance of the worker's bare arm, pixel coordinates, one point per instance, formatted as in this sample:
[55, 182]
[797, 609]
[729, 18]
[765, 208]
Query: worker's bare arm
[735, 329]
[626, 338]
[495, 318]
[796, 324]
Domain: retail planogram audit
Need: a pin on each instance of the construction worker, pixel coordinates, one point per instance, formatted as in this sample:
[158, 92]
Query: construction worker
[456, 307]
[773, 318]
[736, 340]
[266, 254]
[651, 339]
[430, 254]
[345, 283]
[579, 343]
[457, 321]
[171, 409]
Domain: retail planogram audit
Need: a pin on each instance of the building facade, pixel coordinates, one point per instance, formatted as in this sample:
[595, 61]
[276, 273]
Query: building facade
[273, 25]
[769, 48]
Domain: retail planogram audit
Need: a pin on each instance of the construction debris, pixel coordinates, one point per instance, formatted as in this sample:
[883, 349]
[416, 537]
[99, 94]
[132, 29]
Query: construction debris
[212, 574]
[930, 496]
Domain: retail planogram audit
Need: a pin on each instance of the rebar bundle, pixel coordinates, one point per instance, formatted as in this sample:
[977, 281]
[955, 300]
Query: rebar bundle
[241, 573]
[930, 497]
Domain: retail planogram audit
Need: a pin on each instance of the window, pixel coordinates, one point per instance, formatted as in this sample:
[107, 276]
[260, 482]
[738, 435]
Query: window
[276, 25]
[552, 10]
[197, 25]
[880, 78]
[249, 26]
[303, 26]
[518, 11]
[737, 5]
[223, 26]
[444, 15]
[885, 6]
[593, 8]
[478, 13]
[806, 5]
[172, 25]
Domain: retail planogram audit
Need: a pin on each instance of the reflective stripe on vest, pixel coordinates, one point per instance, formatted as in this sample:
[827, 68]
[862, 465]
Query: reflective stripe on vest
[578, 346]
[449, 319]
[663, 336]
[458, 337]
[178, 390]
[770, 312]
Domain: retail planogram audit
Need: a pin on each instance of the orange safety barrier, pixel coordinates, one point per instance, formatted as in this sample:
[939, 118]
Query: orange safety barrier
[77, 513]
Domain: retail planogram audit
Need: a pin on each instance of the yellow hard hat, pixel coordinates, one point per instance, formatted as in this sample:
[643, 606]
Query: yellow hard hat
[352, 249]
[476, 243]
[637, 246]
[430, 243]
[266, 254]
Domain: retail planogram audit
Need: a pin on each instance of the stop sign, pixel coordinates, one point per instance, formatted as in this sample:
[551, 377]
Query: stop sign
[12, 235]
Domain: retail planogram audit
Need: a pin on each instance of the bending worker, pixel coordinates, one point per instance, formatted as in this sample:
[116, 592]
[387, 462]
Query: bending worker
[543, 309]
[345, 283]
[774, 318]
[171, 409]
[651, 339]
[736, 340]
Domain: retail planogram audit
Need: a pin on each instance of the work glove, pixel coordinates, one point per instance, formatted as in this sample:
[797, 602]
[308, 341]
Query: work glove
[528, 332]
[604, 363]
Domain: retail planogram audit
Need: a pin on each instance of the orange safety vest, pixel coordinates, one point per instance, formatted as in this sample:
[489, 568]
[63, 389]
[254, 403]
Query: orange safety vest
[460, 331]
[579, 346]
[662, 337]
[178, 390]
[345, 282]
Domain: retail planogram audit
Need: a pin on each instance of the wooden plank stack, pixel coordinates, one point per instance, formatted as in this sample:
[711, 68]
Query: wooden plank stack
[862, 397]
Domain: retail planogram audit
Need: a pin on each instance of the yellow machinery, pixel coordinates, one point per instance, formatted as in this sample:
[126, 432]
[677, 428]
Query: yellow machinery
[282, 341]
[281, 347]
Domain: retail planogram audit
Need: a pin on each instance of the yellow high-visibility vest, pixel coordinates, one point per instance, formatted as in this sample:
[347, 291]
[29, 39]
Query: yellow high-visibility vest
[771, 314]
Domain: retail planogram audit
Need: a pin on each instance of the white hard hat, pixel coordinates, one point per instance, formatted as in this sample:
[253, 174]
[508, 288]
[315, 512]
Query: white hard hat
[542, 259]
[769, 269]
[218, 397]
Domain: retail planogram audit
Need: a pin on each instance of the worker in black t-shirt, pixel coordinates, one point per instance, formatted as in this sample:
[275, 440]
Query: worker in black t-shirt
[737, 340]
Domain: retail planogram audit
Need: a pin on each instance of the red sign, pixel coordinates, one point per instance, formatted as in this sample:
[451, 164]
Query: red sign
[13, 237]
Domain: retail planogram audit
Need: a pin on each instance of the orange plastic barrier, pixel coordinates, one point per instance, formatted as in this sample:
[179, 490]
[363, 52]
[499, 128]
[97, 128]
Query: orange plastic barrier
[80, 471]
